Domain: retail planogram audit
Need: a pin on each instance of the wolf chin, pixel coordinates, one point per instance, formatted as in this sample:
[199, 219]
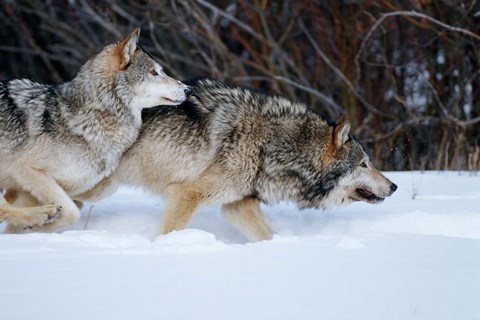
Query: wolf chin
[58, 141]
[239, 147]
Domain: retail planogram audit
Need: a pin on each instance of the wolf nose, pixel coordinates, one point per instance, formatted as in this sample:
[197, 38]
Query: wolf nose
[188, 91]
[393, 187]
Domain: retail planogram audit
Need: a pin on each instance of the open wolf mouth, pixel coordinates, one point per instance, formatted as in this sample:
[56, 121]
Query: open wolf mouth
[173, 101]
[368, 196]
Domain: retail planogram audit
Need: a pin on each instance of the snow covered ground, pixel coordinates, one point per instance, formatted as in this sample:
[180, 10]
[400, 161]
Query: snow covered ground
[402, 259]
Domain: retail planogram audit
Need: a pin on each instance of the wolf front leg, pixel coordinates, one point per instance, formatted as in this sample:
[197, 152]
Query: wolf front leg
[22, 217]
[47, 191]
[182, 201]
[247, 216]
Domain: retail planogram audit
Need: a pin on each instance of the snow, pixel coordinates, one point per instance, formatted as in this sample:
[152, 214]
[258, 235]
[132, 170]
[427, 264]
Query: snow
[403, 259]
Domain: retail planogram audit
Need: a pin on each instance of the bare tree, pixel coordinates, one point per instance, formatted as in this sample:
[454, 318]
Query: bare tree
[406, 73]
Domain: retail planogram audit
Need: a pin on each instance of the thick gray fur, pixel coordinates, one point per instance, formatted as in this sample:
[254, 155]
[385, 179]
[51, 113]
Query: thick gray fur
[240, 147]
[58, 141]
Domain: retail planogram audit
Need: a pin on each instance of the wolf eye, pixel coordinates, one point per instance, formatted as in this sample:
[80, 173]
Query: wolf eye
[363, 164]
[153, 72]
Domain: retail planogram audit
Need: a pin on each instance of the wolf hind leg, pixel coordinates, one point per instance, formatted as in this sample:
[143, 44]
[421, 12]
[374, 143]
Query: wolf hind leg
[101, 190]
[182, 201]
[21, 217]
[247, 216]
[47, 191]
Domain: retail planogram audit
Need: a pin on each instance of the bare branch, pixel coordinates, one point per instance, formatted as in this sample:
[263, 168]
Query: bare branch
[458, 122]
[231, 18]
[413, 14]
[340, 74]
[337, 110]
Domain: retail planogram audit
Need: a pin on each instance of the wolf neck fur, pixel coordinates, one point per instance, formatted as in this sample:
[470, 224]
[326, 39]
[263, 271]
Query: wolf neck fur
[97, 114]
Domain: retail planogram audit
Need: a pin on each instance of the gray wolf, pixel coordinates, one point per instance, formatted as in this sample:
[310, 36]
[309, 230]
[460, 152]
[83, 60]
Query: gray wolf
[239, 147]
[58, 141]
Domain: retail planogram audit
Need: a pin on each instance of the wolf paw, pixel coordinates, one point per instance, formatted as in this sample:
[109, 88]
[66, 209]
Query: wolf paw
[52, 213]
[30, 218]
[43, 215]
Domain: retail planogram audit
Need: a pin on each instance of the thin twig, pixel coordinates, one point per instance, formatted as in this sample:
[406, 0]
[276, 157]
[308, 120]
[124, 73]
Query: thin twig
[339, 73]
[413, 14]
[231, 18]
[87, 220]
[336, 108]
[458, 122]
[314, 92]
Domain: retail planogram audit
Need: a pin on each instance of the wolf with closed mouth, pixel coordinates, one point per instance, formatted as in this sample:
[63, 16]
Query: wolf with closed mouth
[239, 147]
[58, 141]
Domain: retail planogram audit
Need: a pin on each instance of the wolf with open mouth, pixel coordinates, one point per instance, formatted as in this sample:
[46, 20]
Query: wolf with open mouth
[239, 147]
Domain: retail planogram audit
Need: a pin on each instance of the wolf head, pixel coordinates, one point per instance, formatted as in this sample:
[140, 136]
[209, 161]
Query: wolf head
[317, 165]
[358, 179]
[124, 70]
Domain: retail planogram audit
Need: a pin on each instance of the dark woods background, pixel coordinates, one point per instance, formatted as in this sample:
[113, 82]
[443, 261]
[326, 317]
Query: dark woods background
[409, 82]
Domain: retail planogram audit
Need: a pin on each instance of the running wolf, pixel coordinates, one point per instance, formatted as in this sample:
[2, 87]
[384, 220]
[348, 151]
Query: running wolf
[58, 141]
[239, 148]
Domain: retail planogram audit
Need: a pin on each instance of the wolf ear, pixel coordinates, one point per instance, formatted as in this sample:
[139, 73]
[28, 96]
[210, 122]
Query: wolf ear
[127, 47]
[341, 131]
